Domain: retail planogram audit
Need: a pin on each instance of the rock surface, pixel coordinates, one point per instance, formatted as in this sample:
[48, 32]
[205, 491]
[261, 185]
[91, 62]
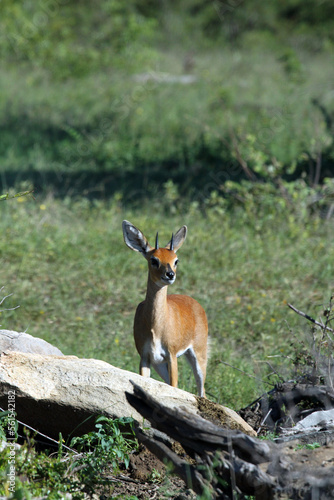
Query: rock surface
[316, 421]
[23, 342]
[64, 393]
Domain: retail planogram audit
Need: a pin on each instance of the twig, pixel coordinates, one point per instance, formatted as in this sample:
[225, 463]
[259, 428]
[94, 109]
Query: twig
[274, 371]
[311, 319]
[263, 421]
[318, 166]
[250, 175]
[8, 196]
[44, 435]
[3, 300]
[247, 374]
[232, 471]
[121, 478]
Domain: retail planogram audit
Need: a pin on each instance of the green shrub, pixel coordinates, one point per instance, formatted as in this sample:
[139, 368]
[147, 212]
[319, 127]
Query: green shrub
[102, 452]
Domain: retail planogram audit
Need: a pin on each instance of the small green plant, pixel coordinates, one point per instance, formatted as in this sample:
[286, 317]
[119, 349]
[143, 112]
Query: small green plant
[269, 436]
[100, 452]
[5, 416]
[155, 477]
[108, 447]
[308, 446]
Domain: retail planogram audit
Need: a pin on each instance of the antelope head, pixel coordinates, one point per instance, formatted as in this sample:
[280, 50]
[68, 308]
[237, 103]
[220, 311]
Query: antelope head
[162, 262]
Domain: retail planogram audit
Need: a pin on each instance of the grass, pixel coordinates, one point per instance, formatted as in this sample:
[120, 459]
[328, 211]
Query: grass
[78, 285]
[93, 129]
[109, 122]
[65, 260]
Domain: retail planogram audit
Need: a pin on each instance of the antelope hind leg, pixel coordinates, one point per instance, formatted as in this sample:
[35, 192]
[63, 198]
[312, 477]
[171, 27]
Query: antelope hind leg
[198, 373]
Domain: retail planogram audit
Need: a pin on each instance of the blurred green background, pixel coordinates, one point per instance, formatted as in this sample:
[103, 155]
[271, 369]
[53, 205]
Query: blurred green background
[218, 115]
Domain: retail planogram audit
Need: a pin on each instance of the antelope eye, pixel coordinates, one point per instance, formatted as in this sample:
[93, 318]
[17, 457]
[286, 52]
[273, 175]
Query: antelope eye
[176, 262]
[155, 262]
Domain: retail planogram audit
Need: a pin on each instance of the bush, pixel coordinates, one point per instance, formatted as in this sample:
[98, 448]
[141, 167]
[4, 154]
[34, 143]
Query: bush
[102, 452]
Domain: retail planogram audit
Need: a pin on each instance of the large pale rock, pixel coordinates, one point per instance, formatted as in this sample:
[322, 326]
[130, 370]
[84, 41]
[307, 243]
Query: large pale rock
[64, 393]
[23, 342]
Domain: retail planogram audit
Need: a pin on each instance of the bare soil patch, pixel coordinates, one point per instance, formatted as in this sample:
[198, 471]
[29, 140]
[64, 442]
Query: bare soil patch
[147, 478]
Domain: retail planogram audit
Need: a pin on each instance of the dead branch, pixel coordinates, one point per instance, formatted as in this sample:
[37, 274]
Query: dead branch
[44, 435]
[218, 451]
[247, 374]
[235, 146]
[195, 432]
[311, 319]
[227, 463]
[8, 196]
[3, 300]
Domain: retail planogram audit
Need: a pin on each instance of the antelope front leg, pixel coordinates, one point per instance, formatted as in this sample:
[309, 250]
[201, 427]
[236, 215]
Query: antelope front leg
[172, 369]
[144, 367]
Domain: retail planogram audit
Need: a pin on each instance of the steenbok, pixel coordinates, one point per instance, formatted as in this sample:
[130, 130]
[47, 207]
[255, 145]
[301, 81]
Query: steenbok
[167, 326]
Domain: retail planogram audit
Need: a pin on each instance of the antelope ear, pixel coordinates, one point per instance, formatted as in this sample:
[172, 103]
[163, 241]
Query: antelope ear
[134, 238]
[178, 239]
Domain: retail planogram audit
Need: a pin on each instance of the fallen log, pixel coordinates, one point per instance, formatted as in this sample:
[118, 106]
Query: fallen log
[234, 454]
[288, 403]
[227, 462]
[197, 434]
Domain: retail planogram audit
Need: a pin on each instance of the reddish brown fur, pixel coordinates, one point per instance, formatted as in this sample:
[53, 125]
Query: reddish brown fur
[168, 325]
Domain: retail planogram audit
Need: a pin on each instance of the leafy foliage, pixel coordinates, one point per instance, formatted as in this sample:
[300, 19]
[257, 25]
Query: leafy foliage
[102, 452]
[71, 40]
[108, 445]
[94, 91]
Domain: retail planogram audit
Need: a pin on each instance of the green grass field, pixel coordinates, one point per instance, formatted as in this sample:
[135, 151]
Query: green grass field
[99, 145]
[77, 284]
[243, 155]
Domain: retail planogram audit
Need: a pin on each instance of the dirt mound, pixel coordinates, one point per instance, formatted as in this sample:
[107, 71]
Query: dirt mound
[146, 479]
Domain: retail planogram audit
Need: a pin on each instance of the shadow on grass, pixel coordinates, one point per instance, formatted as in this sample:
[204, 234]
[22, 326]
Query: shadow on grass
[195, 181]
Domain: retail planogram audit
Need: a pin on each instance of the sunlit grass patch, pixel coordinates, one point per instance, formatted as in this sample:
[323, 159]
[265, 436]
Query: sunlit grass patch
[78, 286]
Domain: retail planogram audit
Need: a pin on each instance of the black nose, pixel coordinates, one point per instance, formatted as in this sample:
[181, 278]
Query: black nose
[170, 275]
